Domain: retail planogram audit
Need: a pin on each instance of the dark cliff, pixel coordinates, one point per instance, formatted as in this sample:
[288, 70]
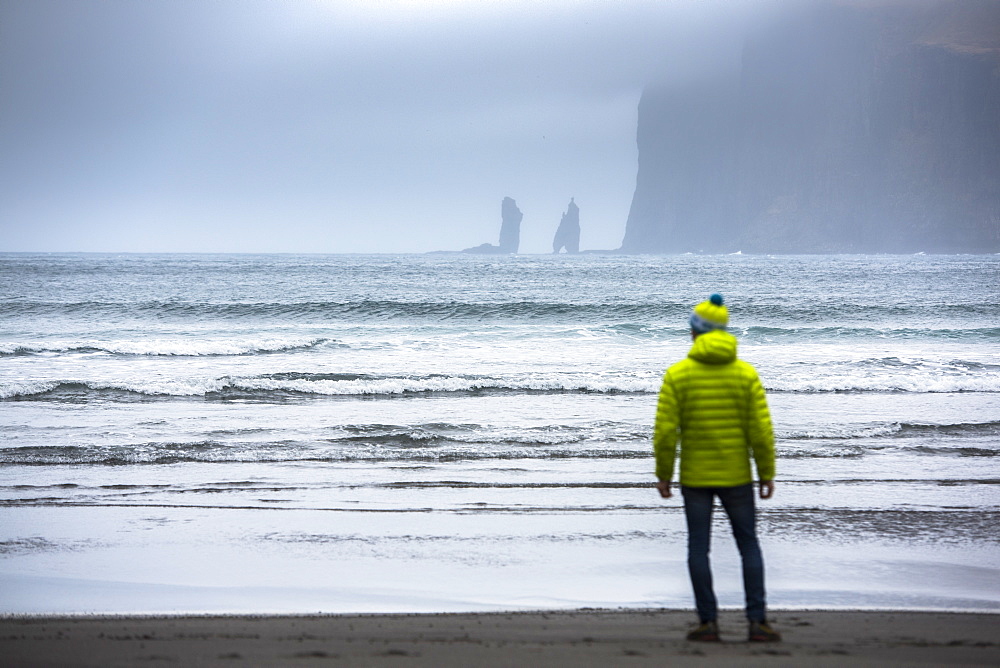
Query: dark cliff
[848, 127]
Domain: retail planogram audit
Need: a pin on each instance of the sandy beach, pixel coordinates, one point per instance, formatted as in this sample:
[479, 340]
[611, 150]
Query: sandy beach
[566, 638]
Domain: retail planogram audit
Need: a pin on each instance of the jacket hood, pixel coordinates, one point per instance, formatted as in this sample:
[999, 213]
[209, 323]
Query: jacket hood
[715, 347]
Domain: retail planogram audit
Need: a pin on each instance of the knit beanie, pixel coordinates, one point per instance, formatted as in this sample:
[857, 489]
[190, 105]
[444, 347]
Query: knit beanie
[709, 315]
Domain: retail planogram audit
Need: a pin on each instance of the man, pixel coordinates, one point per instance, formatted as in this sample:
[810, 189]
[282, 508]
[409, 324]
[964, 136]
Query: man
[714, 405]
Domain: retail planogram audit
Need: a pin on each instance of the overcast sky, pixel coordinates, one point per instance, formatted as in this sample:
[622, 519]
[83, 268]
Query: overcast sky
[331, 126]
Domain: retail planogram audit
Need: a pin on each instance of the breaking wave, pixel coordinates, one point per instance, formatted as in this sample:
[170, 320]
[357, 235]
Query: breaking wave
[447, 442]
[763, 319]
[333, 385]
[171, 347]
[214, 452]
[287, 385]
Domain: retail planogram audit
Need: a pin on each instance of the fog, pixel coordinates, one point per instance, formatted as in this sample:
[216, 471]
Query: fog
[176, 126]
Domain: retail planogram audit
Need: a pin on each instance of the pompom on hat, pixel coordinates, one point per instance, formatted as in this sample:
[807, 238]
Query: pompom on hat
[710, 314]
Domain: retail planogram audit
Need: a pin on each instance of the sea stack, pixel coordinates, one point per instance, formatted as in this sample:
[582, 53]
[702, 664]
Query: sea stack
[510, 227]
[568, 233]
[510, 231]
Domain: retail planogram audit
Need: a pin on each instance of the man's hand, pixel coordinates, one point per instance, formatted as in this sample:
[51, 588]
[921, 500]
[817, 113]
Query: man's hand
[766, 489]
[664, 488]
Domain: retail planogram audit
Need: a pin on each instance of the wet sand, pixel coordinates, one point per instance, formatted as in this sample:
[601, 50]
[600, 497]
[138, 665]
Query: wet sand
[563, 638]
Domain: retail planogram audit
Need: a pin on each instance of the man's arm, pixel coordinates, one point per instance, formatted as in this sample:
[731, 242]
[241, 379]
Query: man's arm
[665, 435]
[761, 432]
[766, 489]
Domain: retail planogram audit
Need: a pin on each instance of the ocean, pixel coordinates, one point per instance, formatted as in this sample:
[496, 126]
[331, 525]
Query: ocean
[446, 432]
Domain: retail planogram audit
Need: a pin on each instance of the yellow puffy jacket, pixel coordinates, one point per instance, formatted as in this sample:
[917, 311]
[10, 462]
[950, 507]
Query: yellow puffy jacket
[715, 405]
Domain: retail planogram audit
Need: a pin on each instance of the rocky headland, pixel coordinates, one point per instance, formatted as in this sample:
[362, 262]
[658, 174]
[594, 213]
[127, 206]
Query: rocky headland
[846, 127]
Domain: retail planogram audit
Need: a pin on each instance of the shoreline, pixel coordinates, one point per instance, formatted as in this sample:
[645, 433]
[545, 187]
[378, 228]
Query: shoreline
[552, 638]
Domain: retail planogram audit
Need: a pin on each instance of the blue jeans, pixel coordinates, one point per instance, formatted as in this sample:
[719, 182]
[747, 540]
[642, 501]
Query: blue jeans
[738, 503]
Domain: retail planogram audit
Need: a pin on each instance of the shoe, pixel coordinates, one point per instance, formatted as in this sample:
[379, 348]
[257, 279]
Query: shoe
[762, 632]
[706, 632]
